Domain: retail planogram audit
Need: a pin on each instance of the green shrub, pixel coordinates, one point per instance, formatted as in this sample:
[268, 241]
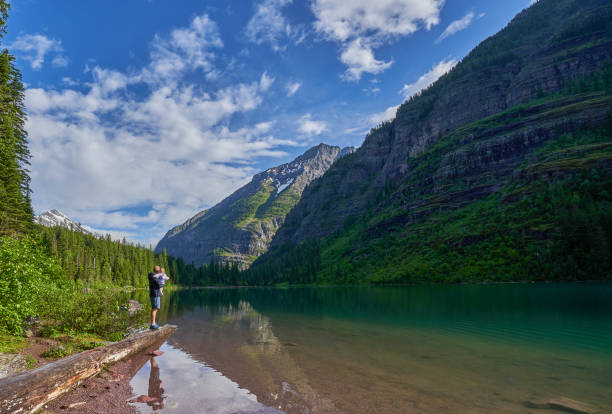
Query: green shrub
[11, 344]
[27, 275]
[58, 351]
[95, 312]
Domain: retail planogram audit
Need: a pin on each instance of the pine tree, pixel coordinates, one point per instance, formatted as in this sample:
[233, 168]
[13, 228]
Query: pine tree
[15, 204]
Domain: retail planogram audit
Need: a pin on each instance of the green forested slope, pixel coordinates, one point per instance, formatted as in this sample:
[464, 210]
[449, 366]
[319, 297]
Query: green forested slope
[501, 170]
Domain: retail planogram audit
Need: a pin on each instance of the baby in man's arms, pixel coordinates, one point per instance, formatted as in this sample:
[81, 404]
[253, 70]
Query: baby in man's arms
[161, 280]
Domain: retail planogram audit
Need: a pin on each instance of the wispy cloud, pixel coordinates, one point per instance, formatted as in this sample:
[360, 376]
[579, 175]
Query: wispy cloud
[309, 127]
[360, 26]
[269, 25]
[265, 81]
[413, 88]
[60, 61]
[185, 49]
[35, 47]
[458, 25]
[385, 115]
[428, 78]
[292, 88]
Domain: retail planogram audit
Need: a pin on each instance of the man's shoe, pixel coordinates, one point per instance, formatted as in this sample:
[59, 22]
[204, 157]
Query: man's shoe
[154, 326]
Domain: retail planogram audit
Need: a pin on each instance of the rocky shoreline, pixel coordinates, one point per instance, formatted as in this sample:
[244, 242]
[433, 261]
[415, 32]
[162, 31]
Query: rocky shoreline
[48, 386]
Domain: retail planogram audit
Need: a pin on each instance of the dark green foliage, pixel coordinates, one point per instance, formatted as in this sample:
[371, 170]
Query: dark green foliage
[594, 25]
[210, 274]
[57, 351]
[15, 207]
[287, 265]
[100, 261]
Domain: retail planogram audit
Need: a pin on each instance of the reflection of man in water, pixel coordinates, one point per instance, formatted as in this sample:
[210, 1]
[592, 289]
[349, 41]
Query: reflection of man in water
[155, 389]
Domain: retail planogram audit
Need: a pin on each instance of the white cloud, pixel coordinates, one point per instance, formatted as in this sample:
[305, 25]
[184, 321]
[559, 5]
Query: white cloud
[140, 163]
[188, 48]
[34, 48]
[265, 81]
[411, 89]
[371, 91]
[292, 87]
[457, 26]
[385, 115]
[60, 61]
[69, 81]
[359, 58]
[269, 25]
[360, 26]
[308, 127]
[356, 131]
[428, 78]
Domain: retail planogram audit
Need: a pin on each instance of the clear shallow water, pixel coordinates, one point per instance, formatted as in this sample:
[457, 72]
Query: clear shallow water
[422, 349]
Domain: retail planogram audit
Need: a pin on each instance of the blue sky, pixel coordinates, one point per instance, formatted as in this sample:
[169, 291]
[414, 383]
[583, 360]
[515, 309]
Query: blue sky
[144, 112]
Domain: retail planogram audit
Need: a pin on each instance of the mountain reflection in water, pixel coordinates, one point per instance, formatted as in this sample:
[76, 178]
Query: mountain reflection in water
[454, 349]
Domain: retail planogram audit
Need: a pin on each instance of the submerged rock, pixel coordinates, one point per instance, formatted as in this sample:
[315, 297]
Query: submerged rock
[563, 404]
[571, 406]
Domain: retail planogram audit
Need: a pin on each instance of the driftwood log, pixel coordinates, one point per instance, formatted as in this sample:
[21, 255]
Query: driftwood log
[28, 392]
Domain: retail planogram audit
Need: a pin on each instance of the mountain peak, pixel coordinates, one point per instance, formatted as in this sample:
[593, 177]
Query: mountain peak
[55, 218]
[240, 227]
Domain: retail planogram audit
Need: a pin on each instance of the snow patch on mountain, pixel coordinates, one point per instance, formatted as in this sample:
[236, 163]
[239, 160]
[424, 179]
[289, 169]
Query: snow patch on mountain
[281, 187]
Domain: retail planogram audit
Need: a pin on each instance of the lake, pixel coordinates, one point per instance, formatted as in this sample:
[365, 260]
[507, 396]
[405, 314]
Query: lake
[414, 349]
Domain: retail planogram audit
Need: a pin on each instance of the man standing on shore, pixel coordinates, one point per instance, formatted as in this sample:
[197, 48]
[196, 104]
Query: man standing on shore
[155, 295]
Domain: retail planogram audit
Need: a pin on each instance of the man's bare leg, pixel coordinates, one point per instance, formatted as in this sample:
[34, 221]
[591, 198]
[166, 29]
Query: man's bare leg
[153, 316]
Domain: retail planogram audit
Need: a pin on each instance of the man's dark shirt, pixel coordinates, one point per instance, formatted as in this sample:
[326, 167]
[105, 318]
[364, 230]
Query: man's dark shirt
[153, 286]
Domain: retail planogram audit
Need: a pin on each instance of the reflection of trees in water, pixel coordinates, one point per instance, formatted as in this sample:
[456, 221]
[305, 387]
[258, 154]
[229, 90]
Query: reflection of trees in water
[397, 305]
[258, 327]
[286, 385]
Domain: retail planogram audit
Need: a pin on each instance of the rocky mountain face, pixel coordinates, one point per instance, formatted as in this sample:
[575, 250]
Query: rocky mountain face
[501, 117]
[345, 151]
[54, 218]
[240, 228]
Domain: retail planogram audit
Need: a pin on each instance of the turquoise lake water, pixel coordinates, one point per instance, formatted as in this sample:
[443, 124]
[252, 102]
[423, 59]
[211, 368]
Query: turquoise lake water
[416, 349]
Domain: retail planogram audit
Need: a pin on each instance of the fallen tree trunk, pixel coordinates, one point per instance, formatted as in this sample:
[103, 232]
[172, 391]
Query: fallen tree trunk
[28, 392]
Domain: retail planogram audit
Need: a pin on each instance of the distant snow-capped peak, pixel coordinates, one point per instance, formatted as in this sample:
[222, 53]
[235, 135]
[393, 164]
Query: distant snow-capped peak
[54, 218]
